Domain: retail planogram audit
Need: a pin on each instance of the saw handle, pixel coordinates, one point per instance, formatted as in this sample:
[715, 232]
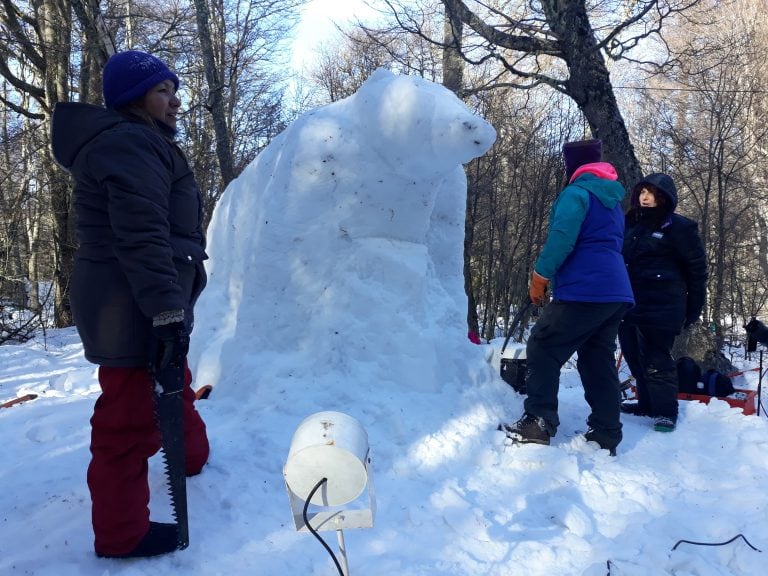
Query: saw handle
[515, 321]
[170, 344]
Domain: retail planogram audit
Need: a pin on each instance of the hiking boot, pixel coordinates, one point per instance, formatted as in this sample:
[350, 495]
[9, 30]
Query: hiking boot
[633, 408]
[159, 539]
[664, 424]
[529, 429]
[603, 440]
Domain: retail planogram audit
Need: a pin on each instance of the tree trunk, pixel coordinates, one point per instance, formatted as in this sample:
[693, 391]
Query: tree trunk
[96, 49]
[589, 85]
[56, 32]
[453, 79]
[31, 222]
[64, 256]
[215, 104]
[703, 346]
[453, 63]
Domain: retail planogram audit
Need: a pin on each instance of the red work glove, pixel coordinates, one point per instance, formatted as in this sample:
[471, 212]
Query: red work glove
[538, 288]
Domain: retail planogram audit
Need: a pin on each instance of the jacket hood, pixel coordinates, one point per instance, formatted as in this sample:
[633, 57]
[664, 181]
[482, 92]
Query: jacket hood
[599, 169]
[663, 183]
[74, 124]
[603, 184]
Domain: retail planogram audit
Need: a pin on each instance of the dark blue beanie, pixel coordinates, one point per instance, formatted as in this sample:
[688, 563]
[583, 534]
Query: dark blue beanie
[129, 75]
[576, 154]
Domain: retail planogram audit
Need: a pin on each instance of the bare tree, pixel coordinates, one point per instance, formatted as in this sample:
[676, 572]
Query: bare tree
[215, 104]
[562, 44]
[54, 50]
[35, 62]
[236, 87]
[340, 70]
[710, 115]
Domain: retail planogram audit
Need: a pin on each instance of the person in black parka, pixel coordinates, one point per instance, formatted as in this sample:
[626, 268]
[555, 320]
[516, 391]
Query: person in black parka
[667, 268]
[757, 331]
[138, 272]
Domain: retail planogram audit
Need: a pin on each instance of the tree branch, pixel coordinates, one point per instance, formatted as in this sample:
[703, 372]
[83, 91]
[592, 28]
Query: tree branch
[20, 110]
[9, 17]
[495, 37]
[18, 83]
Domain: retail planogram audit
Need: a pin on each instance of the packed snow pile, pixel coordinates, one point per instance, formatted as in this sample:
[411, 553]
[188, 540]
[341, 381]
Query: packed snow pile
[351, 217]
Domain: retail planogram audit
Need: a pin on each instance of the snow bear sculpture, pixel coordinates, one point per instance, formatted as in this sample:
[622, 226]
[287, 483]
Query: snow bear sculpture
[340, 246]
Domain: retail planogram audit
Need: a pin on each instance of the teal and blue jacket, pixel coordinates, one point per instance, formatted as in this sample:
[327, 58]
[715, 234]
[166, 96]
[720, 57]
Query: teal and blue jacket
[582, 254]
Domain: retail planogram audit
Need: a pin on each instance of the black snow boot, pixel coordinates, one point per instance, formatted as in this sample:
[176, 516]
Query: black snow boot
[605, 441]
[529, 429]
[159, 539]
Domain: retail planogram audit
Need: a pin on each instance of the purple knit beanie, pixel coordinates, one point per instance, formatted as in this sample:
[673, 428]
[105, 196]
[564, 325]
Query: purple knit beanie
[129, 75]
[577, 154]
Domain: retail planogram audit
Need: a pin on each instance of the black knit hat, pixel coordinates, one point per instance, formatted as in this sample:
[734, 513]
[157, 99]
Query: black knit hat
[582, 152]
[129, 75]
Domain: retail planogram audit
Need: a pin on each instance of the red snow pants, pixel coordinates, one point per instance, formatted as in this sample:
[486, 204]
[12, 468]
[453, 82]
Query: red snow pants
[124, 435]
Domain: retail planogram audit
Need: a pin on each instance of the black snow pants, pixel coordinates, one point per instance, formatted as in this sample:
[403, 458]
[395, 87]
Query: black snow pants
[588, 329]
[648, 352]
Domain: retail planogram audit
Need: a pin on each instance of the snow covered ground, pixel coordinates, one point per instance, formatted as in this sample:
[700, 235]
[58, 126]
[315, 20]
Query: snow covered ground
[335, 284]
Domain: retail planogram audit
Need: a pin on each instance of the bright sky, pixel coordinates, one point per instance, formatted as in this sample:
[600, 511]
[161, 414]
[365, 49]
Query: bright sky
[317, 25]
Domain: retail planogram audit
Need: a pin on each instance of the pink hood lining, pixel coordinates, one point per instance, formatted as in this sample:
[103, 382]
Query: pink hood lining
[599, 169]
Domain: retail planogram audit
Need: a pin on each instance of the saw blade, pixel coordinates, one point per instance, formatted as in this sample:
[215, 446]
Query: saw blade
[170, 418]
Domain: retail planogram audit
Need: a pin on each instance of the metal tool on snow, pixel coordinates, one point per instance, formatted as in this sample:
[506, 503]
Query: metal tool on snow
[516, 319]
[513, 366]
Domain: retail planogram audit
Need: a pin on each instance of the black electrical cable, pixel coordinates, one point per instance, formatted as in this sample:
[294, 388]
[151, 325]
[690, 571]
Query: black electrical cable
[716, 543]
[314, 532]
[684, 89]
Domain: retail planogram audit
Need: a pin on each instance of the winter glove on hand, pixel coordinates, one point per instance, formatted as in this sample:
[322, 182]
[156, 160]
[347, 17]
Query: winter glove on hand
[169, 350]
[538, 288]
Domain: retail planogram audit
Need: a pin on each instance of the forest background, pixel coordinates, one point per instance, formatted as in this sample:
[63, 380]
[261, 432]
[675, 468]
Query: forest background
[677, 86]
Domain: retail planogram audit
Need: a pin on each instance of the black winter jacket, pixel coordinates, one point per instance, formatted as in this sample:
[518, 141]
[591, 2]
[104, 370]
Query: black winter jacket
[666, 262]
[139, 225]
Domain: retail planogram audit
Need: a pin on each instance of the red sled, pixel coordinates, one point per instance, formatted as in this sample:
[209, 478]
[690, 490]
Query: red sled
[741, 398]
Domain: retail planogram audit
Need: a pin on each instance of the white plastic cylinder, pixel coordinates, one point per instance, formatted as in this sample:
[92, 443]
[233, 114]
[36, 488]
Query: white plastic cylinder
[514, 351]
[328, 445]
